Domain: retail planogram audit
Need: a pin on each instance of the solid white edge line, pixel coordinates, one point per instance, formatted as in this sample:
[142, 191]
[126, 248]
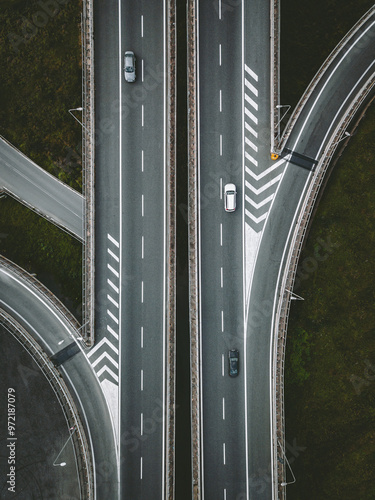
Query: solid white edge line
[165, 242]
[199, 259]
[120, 255]
[243, 246]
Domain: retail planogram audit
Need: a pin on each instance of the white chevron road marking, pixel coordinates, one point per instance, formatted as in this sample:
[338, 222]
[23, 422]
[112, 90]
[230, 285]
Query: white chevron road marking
[99, 345]
[106, 369]
[263, 174]
[260, 204]
[263, 188]
[256, 219]
[105, 355]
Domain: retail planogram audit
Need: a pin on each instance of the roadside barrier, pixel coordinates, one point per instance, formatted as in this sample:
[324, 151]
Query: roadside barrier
[193, 239]
[69, 409]
[282, 315]
[88, 173]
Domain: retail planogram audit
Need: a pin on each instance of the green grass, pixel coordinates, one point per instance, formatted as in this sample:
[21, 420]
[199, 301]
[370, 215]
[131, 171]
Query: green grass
[41, 80]
[330, 364]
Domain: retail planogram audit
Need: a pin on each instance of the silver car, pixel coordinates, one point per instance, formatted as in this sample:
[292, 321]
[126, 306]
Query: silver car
[129, 66]
[230, 197]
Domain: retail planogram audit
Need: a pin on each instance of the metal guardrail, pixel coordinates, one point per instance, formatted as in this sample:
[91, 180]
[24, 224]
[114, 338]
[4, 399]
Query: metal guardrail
[193, 239]
[288, 279]
[171, 256]
[43, 290]
[70, 411]
[88, 173]
[278, 144]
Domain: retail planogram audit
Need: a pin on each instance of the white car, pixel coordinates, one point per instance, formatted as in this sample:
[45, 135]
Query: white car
[129, 66]
[230, 197]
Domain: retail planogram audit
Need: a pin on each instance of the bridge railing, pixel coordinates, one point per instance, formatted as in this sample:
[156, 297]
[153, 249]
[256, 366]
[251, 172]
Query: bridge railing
[70, 411]
[282, 317]
[277, 142]
[88, 172]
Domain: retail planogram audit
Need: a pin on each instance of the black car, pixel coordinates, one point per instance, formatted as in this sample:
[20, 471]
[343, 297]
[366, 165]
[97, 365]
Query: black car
[233, 362]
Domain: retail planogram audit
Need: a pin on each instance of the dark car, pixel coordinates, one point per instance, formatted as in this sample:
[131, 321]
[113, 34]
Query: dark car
[233, 355]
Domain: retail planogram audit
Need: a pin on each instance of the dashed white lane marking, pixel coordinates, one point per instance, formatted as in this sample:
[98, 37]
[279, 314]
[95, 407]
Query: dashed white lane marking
[141, 380]
[221, 188]
[224, 453]
[115, 242]
[111, 299]
[220, 54]
[141, 337]
[112, 332]
[141, 424]
[142, 292]
[251, 73]
[222, 321]
[225, 494]
[112, 316]
[143, 247]
[221, 277]
[221, 145]
[114, 256]
[142, 26]
[221, 234]
[143, 161]
[221, 102]
[143, 205]
[220, 9]
[113, 270]
[143, 115]
[142, 64]
[112, 285]
[223, 408]
[222, 365]
[141, 468]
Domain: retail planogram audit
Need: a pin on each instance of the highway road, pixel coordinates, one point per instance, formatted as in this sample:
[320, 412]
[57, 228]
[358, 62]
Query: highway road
[50, 329]
[242, 254]
[129, 356]
[39, 190]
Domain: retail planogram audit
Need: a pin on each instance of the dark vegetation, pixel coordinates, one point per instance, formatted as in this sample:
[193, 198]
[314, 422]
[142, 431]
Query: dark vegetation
[330, 365]
[40, 60]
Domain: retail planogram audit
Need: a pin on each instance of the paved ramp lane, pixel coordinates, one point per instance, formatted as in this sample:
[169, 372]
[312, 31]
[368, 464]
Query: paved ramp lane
[39, 190]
